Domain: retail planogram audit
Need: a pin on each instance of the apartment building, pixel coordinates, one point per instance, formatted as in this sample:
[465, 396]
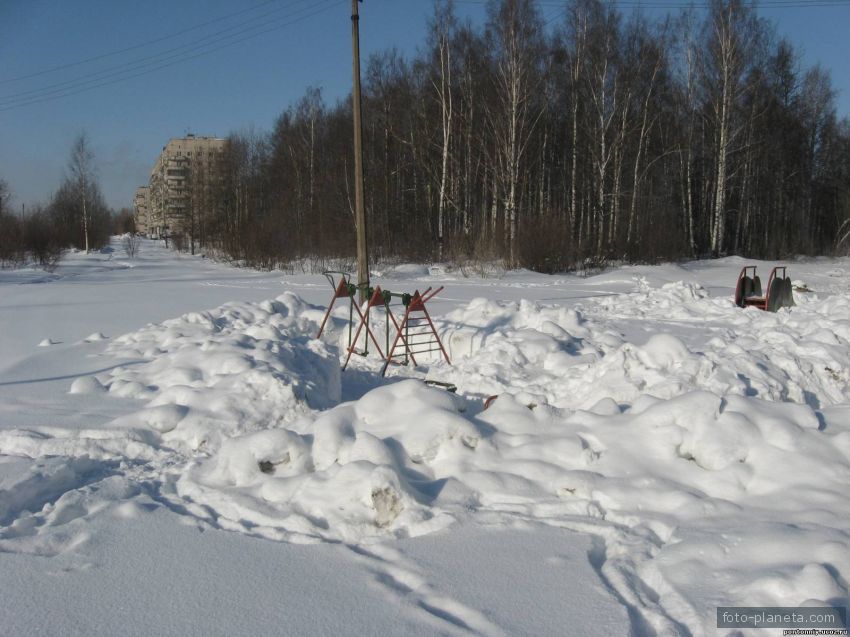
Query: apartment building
[141, 210]
[182, 188]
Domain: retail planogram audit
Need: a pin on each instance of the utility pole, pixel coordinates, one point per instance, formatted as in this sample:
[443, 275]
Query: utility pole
[23, 211]
[359, 202]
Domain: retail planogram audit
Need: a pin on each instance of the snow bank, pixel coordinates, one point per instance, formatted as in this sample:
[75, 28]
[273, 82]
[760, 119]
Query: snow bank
[573, 358]
[358, 471]
[209, 375]
[798, 355]
[671, 486]
[693, 453]
[555, 356]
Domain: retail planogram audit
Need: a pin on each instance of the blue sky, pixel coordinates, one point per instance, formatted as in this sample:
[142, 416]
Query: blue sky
[242, 86]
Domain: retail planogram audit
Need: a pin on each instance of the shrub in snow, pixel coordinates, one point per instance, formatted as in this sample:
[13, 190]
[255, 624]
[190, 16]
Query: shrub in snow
[131, 243]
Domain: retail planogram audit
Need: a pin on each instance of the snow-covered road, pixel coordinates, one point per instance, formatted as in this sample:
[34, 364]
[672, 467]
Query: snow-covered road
[179, 455]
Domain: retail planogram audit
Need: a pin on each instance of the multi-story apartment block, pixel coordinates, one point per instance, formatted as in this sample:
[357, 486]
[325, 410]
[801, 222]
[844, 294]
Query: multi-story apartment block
[141, 210]
[182, 186]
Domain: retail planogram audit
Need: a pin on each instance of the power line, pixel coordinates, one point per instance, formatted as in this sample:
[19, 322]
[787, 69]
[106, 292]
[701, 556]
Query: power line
[158, 58]
[70, 92]
[155, 62]
[135, 46]
[139, 63]
[148, 64]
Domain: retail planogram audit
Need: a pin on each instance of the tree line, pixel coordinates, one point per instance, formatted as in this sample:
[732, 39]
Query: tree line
[590, 137]
[75, 217]
[596, 137]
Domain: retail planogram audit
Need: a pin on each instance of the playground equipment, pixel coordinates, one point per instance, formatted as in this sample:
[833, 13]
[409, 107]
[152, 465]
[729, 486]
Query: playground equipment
[344, 289]
[416, 332]
[414, 335]
[748, 292]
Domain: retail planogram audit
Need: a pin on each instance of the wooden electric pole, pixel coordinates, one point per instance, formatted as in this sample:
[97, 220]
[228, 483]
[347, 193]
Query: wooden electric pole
[359, 204]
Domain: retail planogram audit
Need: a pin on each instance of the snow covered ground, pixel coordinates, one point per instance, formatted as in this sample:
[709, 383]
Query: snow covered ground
[179, 455]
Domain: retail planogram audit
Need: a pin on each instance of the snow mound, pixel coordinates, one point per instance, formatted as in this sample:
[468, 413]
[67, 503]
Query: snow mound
[516, 348]
[674, 300]
[555, 356]
[86, 385]
[574, 358]
[359, 471]
[237, 368]
[799, 355]
[662, 482]
[405, 271]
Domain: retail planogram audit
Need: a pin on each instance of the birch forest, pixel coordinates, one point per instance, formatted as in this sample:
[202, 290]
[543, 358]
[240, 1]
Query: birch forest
[592, 137]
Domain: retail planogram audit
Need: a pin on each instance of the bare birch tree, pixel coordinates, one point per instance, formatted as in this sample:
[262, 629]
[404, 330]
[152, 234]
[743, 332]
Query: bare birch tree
[731, 40]
[81, 167]
[4, 196]
[515, 31]
[442, 29]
